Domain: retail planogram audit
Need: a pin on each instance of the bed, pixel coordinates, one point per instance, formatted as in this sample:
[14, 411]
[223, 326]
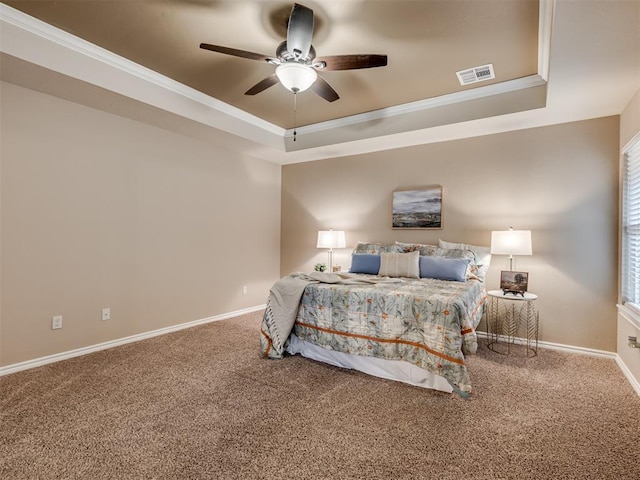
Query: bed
[401, 313]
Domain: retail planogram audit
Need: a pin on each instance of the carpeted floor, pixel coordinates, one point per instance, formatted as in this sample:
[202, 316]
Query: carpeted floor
[202, 403]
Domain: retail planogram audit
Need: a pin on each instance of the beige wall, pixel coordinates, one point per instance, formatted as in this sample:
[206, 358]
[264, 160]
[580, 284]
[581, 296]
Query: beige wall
[628, 324]
[101, 211]
[561, 182]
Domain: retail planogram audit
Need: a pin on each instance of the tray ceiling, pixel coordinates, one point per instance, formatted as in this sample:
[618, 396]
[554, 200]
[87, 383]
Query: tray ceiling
[555, 61]
[426, 43]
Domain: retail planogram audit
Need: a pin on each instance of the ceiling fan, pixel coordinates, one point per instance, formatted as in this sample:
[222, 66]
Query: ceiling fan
[296, 60]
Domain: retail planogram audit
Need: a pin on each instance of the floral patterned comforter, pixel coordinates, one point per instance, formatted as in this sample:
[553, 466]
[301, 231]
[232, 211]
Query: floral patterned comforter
[430, 323]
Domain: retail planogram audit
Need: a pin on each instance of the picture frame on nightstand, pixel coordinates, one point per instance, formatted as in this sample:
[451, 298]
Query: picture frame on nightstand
[514, 282]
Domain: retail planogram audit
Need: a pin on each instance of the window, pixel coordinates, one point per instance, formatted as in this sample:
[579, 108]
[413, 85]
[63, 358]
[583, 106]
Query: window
[631, 225]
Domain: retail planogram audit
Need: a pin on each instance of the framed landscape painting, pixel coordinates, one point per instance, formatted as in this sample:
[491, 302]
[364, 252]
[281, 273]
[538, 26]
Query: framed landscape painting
[514, 282]
[418, 208]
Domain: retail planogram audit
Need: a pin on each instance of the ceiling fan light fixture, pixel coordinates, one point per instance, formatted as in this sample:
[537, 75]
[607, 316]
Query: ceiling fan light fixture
[296, 59]
[296, 77]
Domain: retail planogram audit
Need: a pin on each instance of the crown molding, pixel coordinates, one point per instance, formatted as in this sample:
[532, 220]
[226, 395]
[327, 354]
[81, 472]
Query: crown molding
[422, 105]
[545, 27]
[38, 42]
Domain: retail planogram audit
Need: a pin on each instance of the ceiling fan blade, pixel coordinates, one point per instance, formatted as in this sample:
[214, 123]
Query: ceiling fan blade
[262, 85]
[326, 91]
[235, 52]
[300, 31]
[352, 62]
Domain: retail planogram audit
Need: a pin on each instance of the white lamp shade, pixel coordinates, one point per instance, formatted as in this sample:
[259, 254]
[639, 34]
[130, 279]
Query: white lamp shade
[511, 242]
[296, 76]
[331, 239]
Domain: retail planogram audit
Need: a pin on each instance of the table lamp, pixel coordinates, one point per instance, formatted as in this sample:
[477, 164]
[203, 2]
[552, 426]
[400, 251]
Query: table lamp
[331, 239]
[511, 242]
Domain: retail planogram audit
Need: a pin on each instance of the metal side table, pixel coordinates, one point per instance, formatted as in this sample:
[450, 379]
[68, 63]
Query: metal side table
[512, 323]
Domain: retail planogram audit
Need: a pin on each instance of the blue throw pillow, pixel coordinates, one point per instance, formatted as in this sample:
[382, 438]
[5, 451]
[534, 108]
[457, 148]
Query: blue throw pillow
[365, 263]
[442, 268]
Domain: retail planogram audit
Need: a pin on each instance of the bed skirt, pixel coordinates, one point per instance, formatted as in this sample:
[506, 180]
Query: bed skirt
[397, 370]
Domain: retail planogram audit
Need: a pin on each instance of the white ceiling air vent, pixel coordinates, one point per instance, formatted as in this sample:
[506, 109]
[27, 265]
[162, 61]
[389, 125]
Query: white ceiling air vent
[476, 74]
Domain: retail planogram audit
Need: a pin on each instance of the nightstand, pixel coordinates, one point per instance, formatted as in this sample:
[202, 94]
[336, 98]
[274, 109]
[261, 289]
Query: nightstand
[512, 323]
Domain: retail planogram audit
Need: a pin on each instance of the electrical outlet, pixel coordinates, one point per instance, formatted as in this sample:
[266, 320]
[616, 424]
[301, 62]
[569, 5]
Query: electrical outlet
[245, 290]
[106, 314]
[56, 322]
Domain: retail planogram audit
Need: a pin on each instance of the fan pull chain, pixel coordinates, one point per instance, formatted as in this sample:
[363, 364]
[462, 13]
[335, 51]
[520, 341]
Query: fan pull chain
[295, 109]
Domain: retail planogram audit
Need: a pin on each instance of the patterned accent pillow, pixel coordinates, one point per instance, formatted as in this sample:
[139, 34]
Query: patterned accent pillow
[434, 251]
[400, 265]
[375, 248]
[453, 253]
[412, 247]
[408, 247]
[482, 256]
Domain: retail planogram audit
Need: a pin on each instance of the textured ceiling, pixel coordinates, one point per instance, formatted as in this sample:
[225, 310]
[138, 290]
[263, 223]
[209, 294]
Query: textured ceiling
[426, 43]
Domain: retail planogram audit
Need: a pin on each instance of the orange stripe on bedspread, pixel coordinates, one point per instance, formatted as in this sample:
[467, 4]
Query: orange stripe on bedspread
[480, 304]
[384, 340]
[266, 353]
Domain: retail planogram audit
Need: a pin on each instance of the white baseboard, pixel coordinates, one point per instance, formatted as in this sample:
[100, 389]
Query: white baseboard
[38, 362]
[57, 357]
[627, 373]
[561, 347]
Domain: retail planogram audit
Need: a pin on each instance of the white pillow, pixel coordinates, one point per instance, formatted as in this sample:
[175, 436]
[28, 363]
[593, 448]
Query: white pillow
[482, 254]
[400, 264]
